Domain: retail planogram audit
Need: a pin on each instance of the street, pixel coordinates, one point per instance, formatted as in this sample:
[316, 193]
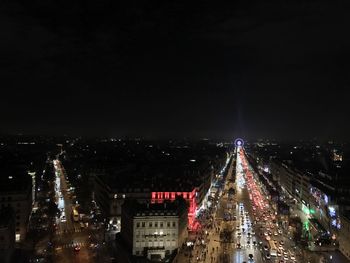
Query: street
[73, 239]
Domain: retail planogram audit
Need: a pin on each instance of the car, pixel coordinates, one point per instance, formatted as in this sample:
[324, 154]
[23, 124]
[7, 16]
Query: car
[275, 233]
[285, 257]
[76, 248]
[267, 256]
[63, 219]
[266, 248]
[282, 242]
[238, 245]
[268, 238]
[250, 256]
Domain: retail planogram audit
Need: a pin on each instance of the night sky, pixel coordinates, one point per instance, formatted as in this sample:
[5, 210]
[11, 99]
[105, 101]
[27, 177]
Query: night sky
[157, 69]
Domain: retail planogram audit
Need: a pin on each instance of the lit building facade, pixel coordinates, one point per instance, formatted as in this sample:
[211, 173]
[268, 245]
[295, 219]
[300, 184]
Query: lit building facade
[190, 197]
[16, 193]
[344, 236]
[154, 230]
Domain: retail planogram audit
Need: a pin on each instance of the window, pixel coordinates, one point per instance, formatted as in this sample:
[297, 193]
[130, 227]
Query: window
[156, 224]
[143, 224]
[174, 224]
[161, 224]
[138, 224]
[150, 224]
[168, 224]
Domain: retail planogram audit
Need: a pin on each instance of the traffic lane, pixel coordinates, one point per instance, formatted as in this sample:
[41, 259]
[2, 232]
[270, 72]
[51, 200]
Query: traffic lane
[68, 255]
[242, 254]
[287, 242]
[74, 236]
[248, 203]
[243, 197]
[249, 246]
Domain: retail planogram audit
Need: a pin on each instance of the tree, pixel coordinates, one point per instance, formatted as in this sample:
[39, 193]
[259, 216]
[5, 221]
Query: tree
[52, 209]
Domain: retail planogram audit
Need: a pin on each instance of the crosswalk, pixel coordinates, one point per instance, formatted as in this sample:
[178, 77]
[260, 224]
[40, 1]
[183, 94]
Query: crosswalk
[72, 245]
[70, 231]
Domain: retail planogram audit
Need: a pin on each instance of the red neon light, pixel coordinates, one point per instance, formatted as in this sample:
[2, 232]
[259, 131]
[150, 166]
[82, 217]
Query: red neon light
[160, 197]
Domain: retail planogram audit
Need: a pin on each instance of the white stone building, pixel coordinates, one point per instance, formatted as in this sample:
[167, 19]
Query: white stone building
[154, 230]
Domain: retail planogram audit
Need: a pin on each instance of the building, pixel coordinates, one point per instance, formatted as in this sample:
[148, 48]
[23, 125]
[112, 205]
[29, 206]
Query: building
[110, 193]
[189, 196]
[16, 192]
[154, 230]
[111, 189]
[344, 236]
[7, 234]
[296, 183]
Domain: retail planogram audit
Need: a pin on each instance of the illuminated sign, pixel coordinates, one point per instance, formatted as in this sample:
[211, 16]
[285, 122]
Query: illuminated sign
[190, 197]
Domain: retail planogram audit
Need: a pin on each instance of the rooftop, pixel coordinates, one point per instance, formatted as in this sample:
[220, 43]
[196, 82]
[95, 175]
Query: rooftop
[146, 209]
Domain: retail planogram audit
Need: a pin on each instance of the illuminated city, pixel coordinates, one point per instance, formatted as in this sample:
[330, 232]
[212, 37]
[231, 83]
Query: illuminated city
[175, 131]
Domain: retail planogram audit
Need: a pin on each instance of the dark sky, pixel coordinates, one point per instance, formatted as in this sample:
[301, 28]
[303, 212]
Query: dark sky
[153, 68]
